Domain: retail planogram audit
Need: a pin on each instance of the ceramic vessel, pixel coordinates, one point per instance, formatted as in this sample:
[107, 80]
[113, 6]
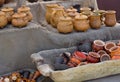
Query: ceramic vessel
[81, 23]
[95, 21]
[110, 18]
[25, 9]
[55, 17]
[19, 20]
[108, 46]
[104, 57]
[101, 52]
[115, 51]
[65, 25]
[86, 11]
[98, 45]
[49, 10]
[79, 55]
[93, 57]
[9, 12]
[3, 20]
[71, 10]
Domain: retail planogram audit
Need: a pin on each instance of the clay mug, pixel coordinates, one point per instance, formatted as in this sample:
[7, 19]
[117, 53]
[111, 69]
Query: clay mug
[98, 45]
[110, 18]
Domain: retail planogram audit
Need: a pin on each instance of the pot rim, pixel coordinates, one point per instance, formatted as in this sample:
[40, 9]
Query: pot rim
[95, 56]
[103, 43]
[102, 51]
[105, 55]
[115, 47]
[107, 43]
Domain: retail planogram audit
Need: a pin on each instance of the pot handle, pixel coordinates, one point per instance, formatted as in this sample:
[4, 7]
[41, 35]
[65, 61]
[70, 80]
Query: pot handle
[52, 20]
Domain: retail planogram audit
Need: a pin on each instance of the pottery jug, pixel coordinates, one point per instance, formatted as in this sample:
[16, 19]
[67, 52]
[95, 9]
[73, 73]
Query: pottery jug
[110, 18]
[19, 20]
[25, 9]
[81, 23]
[49, 10]
[9, 12]
[55, 17]
[3, 19]
[95, 21]
[65, 25]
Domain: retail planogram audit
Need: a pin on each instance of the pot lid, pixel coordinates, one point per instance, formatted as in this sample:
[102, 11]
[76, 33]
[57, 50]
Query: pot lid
[66, 18]
[85, 8]
[7, 9]
[19, 15]
[80, 16]
[2, 13]
[72, 14]
[71, 10]
[99, 11]
[24, 8]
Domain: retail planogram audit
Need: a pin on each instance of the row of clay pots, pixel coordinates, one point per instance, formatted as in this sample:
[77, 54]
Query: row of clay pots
[19, 19]
[109, 48]
[59, 18]
[101, 52]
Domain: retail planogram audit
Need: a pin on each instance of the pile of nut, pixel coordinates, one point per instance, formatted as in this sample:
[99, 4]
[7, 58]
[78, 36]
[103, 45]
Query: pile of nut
[22, 76]
[101, 51]
[18, 19]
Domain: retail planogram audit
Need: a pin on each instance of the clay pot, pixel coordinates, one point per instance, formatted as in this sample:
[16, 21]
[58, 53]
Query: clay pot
[104, 57]
[26, 10]
[110, 18]
[49, 10]
[74, 62]
[72, 15]
[79, 55]
[71, 10]
[93, 57]
[86, 11]
[101, 52]
[108, 46]
[81, 23]
[98, 45]
[115, 51]
[95, 21]
[19, 20]
[65, 25]
[9, 12]
[2, 2]
[116, 57]
[3, 20]
[56, 15]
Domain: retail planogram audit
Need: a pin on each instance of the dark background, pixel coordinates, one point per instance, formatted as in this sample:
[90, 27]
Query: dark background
[110, 5]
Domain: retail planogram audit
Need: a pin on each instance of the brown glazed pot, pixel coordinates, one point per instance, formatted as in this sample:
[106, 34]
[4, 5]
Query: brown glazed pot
[101, 52]
[93, 57]
[110, 18]
[98, 45]
[2, 2]
[25, 9]
[3, 20]
[9, 12]
[81, 23]
[65, 25]
[49, 10]
[19, 20]
[95, 21]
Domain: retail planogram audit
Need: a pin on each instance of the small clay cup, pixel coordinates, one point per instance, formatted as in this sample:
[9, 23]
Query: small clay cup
[98, 45]
[93, 57]
[108, 46]
[101, 52]
[104, 57]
